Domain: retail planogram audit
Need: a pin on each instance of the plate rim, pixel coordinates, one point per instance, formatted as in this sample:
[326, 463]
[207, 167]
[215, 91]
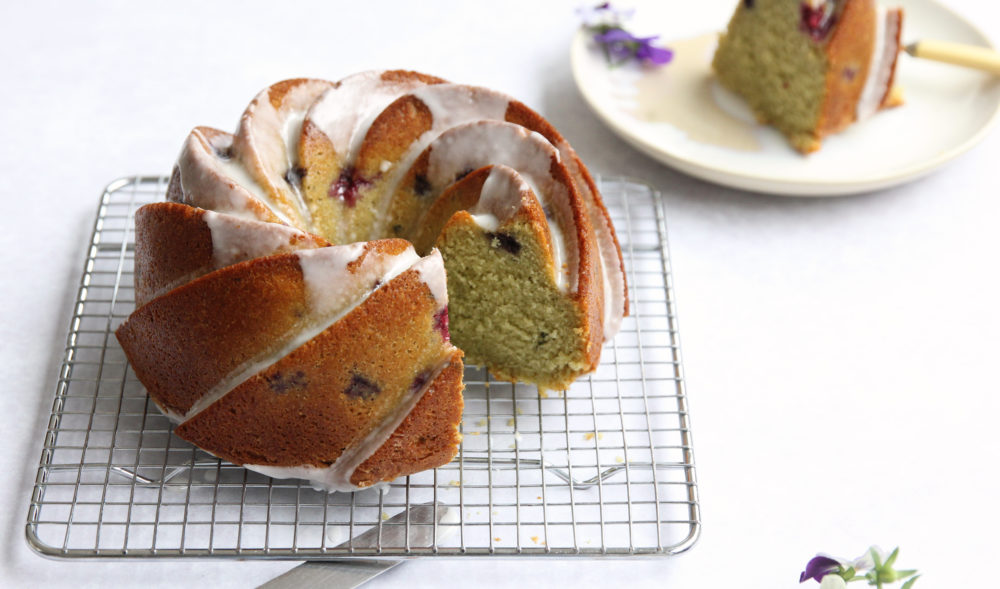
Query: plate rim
[767, 184]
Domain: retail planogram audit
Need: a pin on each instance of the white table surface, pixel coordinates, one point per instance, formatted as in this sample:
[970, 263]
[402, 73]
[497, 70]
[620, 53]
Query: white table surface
[841, 354]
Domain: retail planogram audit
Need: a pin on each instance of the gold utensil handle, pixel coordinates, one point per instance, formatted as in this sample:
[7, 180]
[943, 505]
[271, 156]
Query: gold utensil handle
[971, 56]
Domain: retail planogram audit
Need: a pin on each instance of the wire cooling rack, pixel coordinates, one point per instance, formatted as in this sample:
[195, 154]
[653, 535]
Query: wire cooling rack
[603, 468]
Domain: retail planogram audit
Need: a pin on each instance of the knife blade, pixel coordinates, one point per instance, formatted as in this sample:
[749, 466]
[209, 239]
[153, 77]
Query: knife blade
[347, 574]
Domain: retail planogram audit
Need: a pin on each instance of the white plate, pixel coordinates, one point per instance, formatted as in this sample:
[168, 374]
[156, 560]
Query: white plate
[680, 116]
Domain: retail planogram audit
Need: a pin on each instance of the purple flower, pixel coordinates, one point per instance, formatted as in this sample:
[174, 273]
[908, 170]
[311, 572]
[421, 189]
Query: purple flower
[819, 567]
[618, 44]
[834, 573]
[623, 45]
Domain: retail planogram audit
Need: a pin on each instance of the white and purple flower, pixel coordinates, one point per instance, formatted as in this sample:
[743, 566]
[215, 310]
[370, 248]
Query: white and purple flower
[618, 44]
[872, 566]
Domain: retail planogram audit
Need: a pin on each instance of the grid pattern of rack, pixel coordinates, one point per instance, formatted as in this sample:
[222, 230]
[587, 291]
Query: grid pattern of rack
[604, 468]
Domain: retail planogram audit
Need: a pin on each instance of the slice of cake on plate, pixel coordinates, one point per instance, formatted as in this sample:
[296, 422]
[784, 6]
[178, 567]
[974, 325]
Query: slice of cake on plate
[811, 67]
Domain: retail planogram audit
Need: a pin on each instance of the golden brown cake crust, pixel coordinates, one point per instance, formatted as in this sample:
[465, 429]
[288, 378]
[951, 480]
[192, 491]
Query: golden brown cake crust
[176, 243]
[408, 75]
[392, 132]
[172, 338]
[849, 52]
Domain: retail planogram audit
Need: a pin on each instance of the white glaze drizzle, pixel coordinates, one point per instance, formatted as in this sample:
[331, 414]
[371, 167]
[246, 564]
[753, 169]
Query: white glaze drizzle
[486, 221]
[337, 476]
[235, 240]
[882, 64]
[324, 276]
[457, 104]
[320, 267]
[501, 193]
[213, 182]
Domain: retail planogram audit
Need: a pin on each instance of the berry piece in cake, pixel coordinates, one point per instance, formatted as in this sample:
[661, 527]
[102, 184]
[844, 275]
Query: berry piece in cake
[441, 323]
[505, 242]
[346, 187]
[294, 176]
[362, 388]
[818, 18]
[420, 381]
[421, 185]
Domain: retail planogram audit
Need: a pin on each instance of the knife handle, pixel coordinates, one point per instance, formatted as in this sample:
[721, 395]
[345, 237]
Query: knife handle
[980, 58]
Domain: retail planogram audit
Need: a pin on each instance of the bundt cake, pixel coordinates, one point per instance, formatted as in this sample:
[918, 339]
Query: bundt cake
[285, 317]
[811, 67]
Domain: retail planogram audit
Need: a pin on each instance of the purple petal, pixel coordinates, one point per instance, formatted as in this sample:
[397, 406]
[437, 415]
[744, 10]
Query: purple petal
[615, 36]
[657, 55]
[819, 567]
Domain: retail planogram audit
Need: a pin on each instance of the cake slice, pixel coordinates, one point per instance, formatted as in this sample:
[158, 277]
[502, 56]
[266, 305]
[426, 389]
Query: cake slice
[198, 341]
[349, 388]
[177, 243]
[508, 283]
[332, 364]
[811, 68]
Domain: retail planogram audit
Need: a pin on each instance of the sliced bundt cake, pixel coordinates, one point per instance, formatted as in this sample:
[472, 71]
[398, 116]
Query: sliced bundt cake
[276, 350]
